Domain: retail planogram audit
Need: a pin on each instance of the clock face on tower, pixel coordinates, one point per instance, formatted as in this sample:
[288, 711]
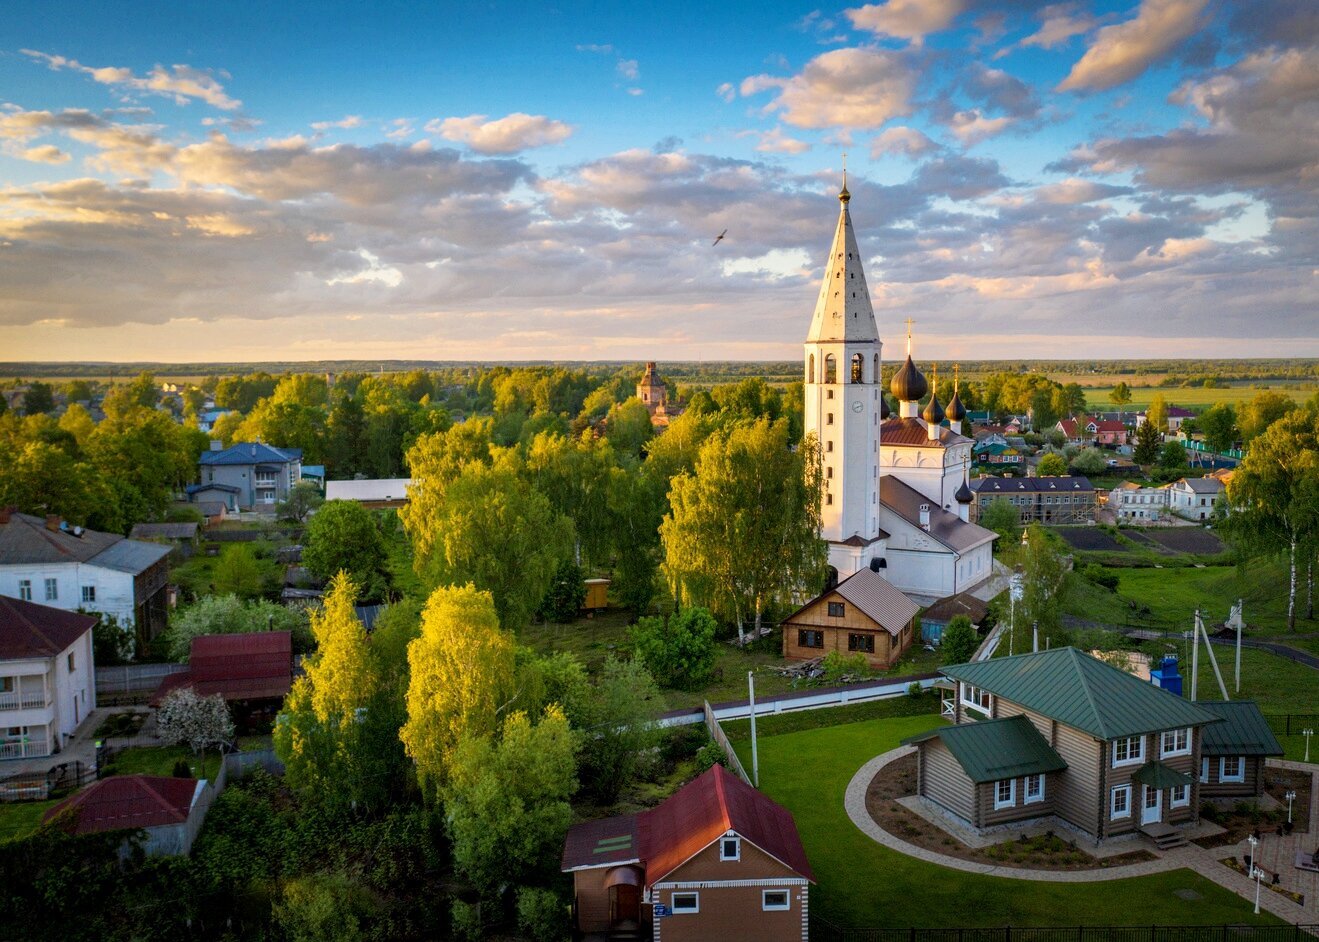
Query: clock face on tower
[857, 406]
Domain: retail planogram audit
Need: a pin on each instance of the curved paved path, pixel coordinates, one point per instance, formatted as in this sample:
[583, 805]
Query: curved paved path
[1191, 857]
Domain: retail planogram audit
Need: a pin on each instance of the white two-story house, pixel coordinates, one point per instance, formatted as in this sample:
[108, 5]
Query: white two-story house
[71, 568]
[1194, 498]
[47, 677]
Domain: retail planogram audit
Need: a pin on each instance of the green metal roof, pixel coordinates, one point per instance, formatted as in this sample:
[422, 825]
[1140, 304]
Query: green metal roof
[995, 749]
[1243, 732]
[1158, 775]
[1072, 687]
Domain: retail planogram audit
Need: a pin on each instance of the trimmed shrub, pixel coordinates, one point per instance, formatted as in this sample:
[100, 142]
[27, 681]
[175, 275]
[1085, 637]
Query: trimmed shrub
[542, 915]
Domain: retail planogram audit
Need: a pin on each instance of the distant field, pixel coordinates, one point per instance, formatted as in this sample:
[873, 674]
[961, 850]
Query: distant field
[1193, 397]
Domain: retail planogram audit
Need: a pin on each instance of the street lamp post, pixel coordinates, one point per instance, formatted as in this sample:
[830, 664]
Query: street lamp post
[1290, 796]
[1307, 733]
[1255, 871]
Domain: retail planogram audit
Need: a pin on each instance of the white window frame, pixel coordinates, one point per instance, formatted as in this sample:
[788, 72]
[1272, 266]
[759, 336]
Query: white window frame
[677, 910]
[25, 590]
[768, 907]
[1036, 779]
[723, 847]
[1240, 775]
[963, 692]
[1113, 813]
[52, 587]
[1174, 801]
[88, 593]
[1176, 750]
[1132, 758]
[1011, 801]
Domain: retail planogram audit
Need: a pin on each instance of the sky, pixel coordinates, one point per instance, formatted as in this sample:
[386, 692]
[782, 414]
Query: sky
[524, 181]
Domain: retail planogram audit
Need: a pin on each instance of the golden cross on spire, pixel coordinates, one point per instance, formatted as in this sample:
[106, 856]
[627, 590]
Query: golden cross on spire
[843, 194]
[934, 386]
[909, 323]
[956, 370]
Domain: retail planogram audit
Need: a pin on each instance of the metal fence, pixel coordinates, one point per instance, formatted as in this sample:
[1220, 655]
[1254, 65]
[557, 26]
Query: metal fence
[823, 931]
[1291, 724]
[133, 678]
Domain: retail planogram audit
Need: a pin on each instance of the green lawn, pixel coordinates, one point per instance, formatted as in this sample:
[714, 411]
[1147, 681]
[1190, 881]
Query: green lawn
[158, 760]
[19, 817]
[1196, 398]
[864, 884]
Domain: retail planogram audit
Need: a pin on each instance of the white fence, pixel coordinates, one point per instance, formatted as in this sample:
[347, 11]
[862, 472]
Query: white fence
[804, 700]
[240, 763]
[133, 678]
[721, 739]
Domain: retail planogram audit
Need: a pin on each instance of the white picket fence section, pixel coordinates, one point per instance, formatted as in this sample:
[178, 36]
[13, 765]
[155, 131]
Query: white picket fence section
[803, 700]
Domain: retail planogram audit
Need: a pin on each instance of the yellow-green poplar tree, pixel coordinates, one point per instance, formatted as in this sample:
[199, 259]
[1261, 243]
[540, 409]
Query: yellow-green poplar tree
[462, 676]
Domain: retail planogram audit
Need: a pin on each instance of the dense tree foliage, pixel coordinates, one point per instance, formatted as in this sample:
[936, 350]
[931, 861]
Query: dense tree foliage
[959, 641]
[228, 614]
[679, 649]
[343, 536]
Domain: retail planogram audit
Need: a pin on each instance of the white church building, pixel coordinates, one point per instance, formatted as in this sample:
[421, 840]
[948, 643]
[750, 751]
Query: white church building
[896, 495]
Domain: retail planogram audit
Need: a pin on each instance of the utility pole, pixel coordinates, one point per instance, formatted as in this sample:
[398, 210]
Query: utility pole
[755, 757]
[1238, 614]
[1034, 636]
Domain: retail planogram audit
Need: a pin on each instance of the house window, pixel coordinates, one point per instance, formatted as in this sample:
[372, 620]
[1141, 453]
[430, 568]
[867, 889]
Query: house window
[1120, 802]
[72, 668]
[828, 418]
[1231, 769]
[89, 593]
[1034, 788]
[730, 848]
[837, 609]
[829, 500]
[977, 699]
[775, 900]
[685, 903]
[1128, 751]
[25, 589]
[1181, 796]
[1005, 793]
[808, 638]
[1204, 770]
[52, 590]
[829, 446]
[1175, 742]
[863, 643]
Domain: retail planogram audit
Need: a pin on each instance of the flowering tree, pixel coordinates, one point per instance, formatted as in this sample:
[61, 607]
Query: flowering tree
[198, 722]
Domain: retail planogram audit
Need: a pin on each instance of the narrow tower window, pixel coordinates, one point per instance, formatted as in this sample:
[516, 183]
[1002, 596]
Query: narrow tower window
[858, 367]
[810, 372]
[830, 368]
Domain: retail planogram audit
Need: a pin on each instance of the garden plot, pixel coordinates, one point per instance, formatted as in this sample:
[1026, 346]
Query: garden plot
[1089, 539]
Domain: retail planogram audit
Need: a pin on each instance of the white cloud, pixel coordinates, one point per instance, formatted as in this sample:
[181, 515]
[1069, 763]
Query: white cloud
[907, 19]
[628, 69]
[901, 140]
[847, 88]
[1124, 51]
[506, 135]
[726, 91]
[971, 126]
[179, 82]
[347, 122]
[45, 154]
[776, 142]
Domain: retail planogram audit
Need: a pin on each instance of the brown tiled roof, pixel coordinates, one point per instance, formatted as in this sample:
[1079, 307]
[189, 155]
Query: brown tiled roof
[912, 433]
[878, 599]
[31, 630]
[254, 666]
[949, 529]
[963, 603]
[127, 802]
[684, 824]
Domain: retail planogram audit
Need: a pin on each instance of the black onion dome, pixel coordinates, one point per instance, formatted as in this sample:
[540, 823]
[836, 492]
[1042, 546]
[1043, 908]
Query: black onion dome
[963, 495]
[933, 411]
[956, 412]
[884, 412]
[908, 384]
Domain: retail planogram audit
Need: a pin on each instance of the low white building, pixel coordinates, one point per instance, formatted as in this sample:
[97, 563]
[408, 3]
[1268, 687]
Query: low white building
[371, 492]
[47, 677]
[1130, 501]
[1194, 498]
[72, 568]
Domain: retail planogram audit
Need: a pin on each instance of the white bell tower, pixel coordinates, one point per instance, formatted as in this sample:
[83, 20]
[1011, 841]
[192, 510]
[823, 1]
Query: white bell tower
[844, 401]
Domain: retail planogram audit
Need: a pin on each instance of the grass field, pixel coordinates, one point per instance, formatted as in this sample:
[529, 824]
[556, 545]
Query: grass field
[1196, 398]
[1174, 594]
[20, 817]
[864, 884]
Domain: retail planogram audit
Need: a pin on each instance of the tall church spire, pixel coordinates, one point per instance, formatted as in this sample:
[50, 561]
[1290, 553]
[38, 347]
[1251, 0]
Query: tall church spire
[843, 310]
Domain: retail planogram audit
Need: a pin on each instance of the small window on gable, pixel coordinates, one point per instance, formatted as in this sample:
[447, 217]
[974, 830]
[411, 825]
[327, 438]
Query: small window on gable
[730, 848]
[837, 609]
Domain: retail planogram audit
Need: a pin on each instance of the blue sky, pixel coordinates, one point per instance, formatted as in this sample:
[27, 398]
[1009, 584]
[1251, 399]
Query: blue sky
[519, 181]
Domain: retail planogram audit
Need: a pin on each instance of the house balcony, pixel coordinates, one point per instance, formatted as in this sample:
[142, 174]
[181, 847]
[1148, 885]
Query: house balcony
[30, 742]
[28, 692]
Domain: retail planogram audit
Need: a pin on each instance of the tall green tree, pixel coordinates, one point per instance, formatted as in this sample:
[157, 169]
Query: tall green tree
[38, 399]
[618, 717]
[743, 534]
[1003, 517]
[238, 572]
[575, 475]
[1172, 456]
[1148, 441]
[1274, 495]
[1219, 425]
[1051, 465]
[461, 680]
[343, 536]
[1120, 396]
[1263, 409]
[489, 527]
[1156, 413]
[1044, 583]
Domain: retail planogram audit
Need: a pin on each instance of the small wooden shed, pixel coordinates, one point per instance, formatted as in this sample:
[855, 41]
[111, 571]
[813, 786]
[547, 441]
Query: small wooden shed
[597, 594]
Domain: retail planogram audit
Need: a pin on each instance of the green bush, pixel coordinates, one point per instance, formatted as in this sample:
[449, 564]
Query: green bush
[323, 907]
[542, 915]
[679, 651]
[182, 769]
[838, 665]
[682, 743]
[466, 922]
[709, 756]
[915, 690]
[566, 594]
[1101, 577]
[959, 641]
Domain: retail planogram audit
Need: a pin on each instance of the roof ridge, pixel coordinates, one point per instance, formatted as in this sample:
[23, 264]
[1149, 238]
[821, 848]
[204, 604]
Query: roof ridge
[1085, 688]
[723, 799]
[144, 781]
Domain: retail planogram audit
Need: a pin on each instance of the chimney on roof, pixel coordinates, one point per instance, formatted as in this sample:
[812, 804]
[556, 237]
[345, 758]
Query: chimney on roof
[925, 516]
[253, 451]
[53, 523]
[217, 446]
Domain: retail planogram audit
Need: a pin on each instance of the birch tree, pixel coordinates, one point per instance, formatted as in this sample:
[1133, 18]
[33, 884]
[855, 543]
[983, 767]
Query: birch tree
[743, 532]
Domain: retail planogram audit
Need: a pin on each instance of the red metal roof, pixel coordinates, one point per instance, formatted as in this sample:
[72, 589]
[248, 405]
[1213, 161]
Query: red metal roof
[125, 802]
[686, 823]
[31, 630]
[254, 666]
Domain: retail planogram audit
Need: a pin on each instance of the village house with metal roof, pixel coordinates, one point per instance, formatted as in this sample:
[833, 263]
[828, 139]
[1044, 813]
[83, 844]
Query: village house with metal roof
[253, 475]
[864, 614]
[47, 677]
[1062, 733]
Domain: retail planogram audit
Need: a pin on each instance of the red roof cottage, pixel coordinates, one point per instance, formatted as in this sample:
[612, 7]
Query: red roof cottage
[170, 810]
[255, 666]
[716, 860]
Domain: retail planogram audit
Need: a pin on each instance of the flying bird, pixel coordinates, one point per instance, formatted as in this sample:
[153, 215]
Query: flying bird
[719, 238]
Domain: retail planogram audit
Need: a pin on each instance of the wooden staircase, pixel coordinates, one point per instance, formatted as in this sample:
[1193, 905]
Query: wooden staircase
[1164, 836]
